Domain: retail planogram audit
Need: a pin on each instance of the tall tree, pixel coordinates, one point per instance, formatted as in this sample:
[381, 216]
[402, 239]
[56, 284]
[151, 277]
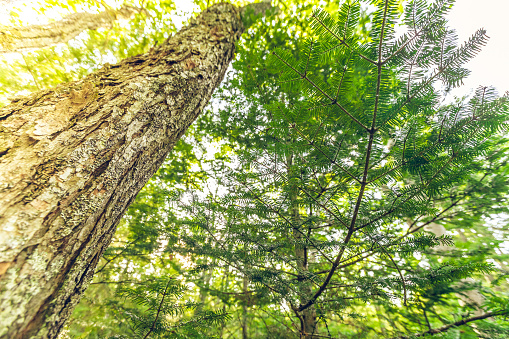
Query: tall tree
[336, 157]
[74, 157]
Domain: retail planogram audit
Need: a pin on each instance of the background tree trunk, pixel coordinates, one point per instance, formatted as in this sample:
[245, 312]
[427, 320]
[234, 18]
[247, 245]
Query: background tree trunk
[17, 39]
[73, 158]
[307, 316]
[246, 300]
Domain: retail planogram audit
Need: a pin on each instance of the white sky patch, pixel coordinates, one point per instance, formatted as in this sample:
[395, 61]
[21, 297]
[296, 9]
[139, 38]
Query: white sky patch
[185, 8]
[489, 67]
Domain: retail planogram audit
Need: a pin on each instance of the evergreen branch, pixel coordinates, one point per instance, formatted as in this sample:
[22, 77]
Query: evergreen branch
[455, 324]
[277, 320]
[400, 275]
[442, 43]
[323, 206]
[275, 269]
[301, 319]
[264, 93]
[330, 49]
[414, 19]
[158, 310]
[341, 82]
[364, 178]
[412, 64]
[240, 269]
[228, 293]
[133, 330]
[318, 106]
[294, 126]
[343, 41]
[411, 97]
[325, 94]
[426, 318]
[395, 265]
[416, 34]
[268, 250]
[288, 221]
[309, 57]
[441, 69]
[392, 209]
[344, 67]
[317, 130]
[335, 285]
[411, 230]
[263, 267]
[369, 253]
[116, 256]
[379, 63]
[332, 178]
[119, 282]
[403, 163]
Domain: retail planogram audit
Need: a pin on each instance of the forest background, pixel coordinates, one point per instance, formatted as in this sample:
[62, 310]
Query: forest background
[158, 242]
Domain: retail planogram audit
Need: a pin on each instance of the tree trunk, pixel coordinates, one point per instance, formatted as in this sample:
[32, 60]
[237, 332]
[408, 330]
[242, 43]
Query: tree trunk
[73, 158]
[17, 39]
[245, 282]
[307, 317]
[204, 287]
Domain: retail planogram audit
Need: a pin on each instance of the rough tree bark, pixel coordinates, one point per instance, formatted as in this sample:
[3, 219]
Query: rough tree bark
[73, 158]
[18, 39]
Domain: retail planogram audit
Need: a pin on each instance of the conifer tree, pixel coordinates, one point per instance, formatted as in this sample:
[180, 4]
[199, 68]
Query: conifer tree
[344, 160]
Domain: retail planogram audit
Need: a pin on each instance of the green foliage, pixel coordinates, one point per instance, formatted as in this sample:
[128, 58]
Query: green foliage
[342, 152]
[158, 301]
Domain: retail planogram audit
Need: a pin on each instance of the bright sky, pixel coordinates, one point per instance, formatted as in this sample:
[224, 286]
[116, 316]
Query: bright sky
[490, 67]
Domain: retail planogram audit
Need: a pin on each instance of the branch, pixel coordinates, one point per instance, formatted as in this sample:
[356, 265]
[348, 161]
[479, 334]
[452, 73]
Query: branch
[332, 100]
[395, 266]
[310, 142]
[116, 256]
[455, 324]
[119, 282]
[343, 41]
[288, 221]
[158, 310]
[364, 177]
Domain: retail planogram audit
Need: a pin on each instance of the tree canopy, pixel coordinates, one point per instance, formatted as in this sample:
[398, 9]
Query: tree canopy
[332, 189]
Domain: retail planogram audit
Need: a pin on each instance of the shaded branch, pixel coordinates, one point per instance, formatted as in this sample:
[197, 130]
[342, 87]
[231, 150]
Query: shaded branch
[455, 324]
